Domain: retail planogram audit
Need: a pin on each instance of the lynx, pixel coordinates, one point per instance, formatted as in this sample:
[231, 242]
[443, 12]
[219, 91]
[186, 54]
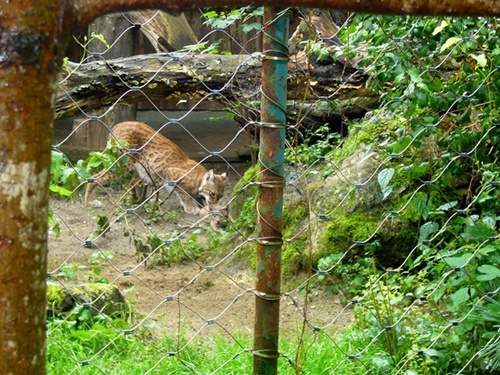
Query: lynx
[217, 215]
[156, 158]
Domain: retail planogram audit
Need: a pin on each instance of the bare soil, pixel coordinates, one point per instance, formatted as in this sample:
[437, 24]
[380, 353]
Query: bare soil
[186, 298]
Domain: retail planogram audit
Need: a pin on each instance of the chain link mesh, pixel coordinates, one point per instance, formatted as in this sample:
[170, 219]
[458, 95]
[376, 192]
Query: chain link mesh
[183, 298]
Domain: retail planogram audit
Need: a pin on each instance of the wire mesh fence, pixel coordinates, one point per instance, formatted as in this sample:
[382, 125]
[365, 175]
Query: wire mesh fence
[390, 235]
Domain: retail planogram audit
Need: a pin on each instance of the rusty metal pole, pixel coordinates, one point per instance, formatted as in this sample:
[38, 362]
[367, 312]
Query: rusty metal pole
[271, 182]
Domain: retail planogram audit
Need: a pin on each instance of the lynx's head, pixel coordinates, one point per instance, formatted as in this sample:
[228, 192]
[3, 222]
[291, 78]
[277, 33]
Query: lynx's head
[217, 215]
[212, 187]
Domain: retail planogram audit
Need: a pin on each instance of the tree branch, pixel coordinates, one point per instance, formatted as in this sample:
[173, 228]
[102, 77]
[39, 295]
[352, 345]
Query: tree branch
[84, 11]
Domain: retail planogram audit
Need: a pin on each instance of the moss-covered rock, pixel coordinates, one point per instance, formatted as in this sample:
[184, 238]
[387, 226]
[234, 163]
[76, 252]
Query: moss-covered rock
[103, 298]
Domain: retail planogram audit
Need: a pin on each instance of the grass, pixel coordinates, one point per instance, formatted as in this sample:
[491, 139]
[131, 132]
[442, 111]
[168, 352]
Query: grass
[95, 345]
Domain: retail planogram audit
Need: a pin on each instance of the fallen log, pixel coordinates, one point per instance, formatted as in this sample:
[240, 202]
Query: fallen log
[108, 83]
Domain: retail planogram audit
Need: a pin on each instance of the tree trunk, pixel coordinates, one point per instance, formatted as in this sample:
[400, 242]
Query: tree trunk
[28, 59]
[166, 32]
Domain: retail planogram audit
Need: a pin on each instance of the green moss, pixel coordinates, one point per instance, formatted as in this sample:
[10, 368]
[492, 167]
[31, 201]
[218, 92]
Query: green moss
[243, 205]
[55, 294]
[344, 230]
[249, 176]
[294, 214]
[294, 258]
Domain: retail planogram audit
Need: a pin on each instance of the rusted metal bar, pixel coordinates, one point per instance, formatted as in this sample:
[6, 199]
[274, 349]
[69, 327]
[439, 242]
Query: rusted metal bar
[270, 201]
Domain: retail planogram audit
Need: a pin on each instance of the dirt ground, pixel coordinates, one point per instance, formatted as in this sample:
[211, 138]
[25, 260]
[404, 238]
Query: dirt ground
[187, 298]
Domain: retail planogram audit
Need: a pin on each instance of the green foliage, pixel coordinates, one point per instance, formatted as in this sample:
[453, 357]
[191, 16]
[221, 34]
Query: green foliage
[444, 115]
[86, 42]
[318, 143]
[158, 249]
[223, 18]
[64, 176]
[70, 271]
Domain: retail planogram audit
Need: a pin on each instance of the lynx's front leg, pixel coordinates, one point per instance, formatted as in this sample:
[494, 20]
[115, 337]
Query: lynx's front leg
[100, 178]
[189, 204]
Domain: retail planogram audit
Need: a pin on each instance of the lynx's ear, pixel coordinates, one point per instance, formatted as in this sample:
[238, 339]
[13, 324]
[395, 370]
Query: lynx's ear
[210, 176]
[224, 176]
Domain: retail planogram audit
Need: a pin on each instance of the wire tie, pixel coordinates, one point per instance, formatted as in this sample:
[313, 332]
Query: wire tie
[272, 185]
[269, 297]
[276, 242]
[260, 353]
[276, 58]
[271, 125]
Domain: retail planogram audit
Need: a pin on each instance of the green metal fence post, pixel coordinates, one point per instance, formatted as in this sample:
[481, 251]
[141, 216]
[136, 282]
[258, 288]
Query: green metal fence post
[270, 201]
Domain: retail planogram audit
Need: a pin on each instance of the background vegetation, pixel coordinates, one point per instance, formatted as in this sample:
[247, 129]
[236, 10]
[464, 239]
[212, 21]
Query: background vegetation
[425, 302]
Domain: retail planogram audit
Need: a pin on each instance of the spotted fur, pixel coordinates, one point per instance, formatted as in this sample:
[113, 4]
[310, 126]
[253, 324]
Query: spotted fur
[160, 162]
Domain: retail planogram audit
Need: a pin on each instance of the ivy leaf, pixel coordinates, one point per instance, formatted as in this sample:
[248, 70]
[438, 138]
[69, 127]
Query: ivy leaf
[423, 206]
[480, 59]
[427, 229]
[455, 262]
[489, 272]
[462, 295]
[60, 190]
[440, 28]
[447, 206]
[384, 177]
[449, 43]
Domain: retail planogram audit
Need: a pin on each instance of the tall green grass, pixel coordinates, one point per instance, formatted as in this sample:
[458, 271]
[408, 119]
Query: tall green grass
[100, 345]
